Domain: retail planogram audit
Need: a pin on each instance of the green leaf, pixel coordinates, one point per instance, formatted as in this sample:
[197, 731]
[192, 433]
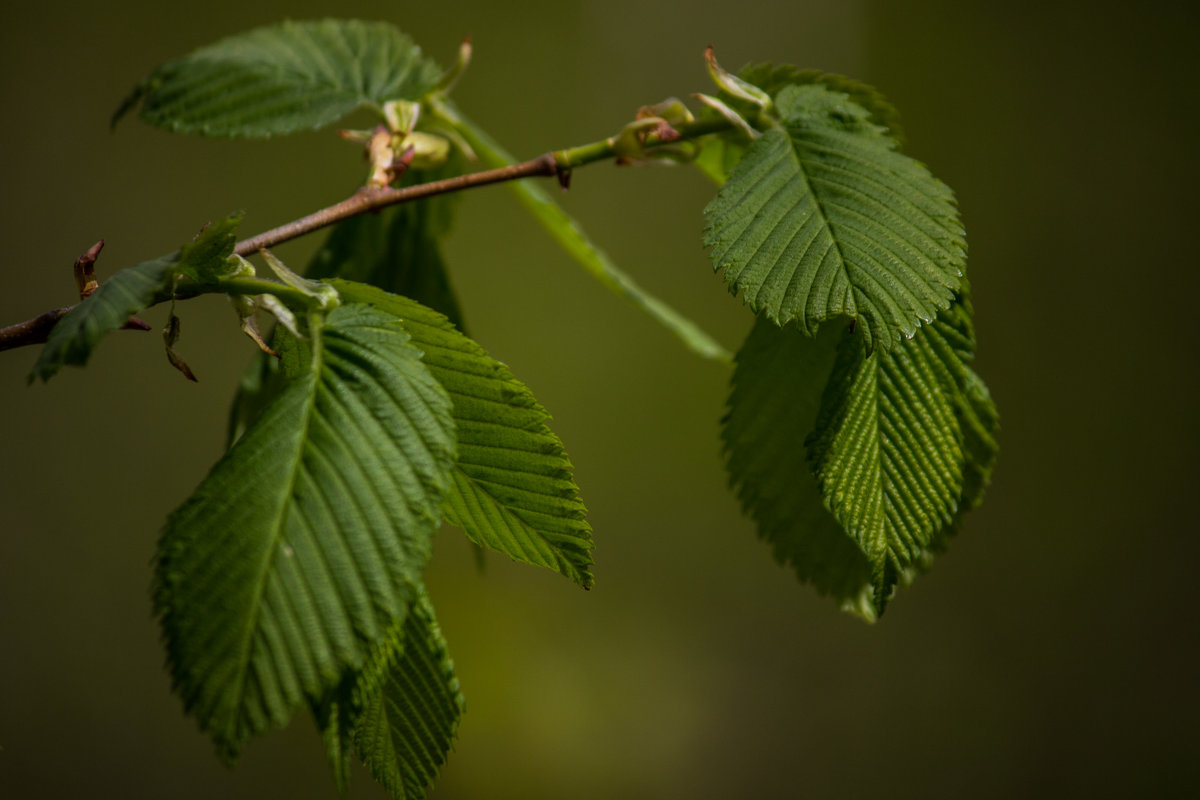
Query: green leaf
[513, 487]
[410, 706]
[887, 451]
[823, 218]
[107, 309]
[207, 257]
[720, 152]
[773, 79]
[953, 337]
[284, 78]
[776, 391]
[571, 237]
[400, 712]
[299, 551]
[397, 249]
[261, 383]
[126, 293]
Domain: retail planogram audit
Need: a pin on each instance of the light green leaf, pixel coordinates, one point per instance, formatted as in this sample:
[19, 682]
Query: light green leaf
[284, 78]
[571, 237]
[297, 554]
[129, 291]
[776, 391]
[888, 453]
[513, 487]
[410, 706]
[719, 154]
[823, 218]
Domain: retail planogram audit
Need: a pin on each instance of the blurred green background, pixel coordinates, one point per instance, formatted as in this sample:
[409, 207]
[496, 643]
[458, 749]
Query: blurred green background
[1052, 652]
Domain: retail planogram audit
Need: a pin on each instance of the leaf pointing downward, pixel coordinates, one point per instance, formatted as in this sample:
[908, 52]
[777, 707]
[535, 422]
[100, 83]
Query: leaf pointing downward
[410, 707]
[888, 453]
[513, 487]
[297, 553]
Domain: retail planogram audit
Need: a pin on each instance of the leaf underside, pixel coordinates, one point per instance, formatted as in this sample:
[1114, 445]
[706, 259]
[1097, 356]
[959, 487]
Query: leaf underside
[298, 552]
[823, 218]
[284, 78]
[513, 488]
[897, 447]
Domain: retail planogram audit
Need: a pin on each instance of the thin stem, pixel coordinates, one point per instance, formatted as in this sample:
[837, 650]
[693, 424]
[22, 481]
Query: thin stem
[606, 148]
[370, 198]
[291, 296]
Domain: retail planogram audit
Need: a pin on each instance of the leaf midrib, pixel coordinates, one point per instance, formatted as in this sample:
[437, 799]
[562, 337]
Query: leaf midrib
[277, 535]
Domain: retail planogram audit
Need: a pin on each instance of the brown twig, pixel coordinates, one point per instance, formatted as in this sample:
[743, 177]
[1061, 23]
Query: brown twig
[370, 198]
[37, 330]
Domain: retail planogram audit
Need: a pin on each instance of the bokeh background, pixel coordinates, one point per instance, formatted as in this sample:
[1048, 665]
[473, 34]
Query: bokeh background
[1051, 653]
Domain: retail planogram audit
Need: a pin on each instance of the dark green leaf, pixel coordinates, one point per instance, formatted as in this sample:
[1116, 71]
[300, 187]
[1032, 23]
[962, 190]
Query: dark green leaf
[106, 310]
[773, 406]
[261, 383]
[297, 554]
[284, 78]
[397, 249]
[823, 218]
[513, 486]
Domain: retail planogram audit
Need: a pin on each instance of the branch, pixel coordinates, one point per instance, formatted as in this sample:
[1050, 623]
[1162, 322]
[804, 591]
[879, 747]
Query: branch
[370, 198]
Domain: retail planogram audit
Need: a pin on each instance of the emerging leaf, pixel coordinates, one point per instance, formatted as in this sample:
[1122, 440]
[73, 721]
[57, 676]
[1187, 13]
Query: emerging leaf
[823, 218]
[284, 78]
[299, 551]
[207, 257]
[513, 487]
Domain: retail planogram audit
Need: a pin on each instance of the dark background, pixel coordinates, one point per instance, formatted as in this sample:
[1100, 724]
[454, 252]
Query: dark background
[1051, 652]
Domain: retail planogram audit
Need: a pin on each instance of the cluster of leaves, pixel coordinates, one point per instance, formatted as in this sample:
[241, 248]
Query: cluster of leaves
[857, 433]
[855, 417]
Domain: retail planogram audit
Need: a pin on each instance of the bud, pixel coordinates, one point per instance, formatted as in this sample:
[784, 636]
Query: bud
[734, 85]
